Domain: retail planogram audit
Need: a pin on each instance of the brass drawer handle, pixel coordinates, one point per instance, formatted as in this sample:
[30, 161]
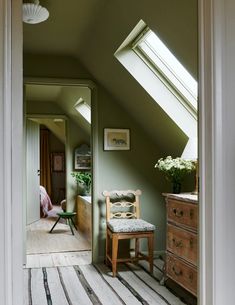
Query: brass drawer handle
[178, 213]
[178, 244]
[177, 272]
[191, 242]
[191, 214]
[191, 277]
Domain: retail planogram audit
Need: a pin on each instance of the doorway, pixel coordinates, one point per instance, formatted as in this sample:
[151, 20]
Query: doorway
[50, 110]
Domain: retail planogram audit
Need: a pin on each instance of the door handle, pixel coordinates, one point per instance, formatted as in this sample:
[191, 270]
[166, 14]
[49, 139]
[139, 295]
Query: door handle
[38, 172]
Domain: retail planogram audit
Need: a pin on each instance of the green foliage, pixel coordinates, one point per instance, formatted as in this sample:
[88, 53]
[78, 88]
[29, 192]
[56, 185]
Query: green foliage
[83, 180]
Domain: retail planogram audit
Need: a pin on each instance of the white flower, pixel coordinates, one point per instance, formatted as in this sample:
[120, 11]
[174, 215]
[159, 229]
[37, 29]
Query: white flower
[175, 169]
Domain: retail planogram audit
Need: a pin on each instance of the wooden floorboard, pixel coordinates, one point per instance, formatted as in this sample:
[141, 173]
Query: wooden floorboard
[57, 292]
[75, 291]
[94, 284]
[117, 286]
[37, 287]
[40, 241]
[59, 248]
[58, 259]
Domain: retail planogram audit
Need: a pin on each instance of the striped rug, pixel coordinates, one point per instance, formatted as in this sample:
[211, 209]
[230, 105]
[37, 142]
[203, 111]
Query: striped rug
[94, 284]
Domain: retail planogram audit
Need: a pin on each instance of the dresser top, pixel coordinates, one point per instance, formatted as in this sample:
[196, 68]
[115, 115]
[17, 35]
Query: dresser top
[182, 196]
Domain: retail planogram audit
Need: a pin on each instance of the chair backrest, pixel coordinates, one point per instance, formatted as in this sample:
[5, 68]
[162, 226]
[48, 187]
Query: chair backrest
[122, 204]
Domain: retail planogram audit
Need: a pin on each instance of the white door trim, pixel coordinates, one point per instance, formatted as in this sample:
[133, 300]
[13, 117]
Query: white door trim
[211, 21]
[11, 252]
[217, 151]
[206, 142]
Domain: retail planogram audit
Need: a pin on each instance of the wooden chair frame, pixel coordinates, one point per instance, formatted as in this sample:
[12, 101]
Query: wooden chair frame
[114, 237]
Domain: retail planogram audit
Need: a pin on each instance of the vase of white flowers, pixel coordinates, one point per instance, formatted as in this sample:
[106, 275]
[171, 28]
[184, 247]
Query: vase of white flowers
[175, 170]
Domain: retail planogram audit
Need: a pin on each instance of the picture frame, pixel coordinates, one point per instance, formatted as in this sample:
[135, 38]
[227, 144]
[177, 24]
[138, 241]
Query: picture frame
[58, 164]
[82, 158]
[116, 139]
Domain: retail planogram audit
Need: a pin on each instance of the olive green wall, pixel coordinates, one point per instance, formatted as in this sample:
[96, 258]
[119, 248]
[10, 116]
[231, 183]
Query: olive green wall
[132, 169]
[119, 169]
[53, 66]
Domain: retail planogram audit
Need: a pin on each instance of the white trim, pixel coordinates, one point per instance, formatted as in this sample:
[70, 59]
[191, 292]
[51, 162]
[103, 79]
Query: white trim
[95, 171]
[60, 81]
[156, 86]
[46, 116]
[217, 143]
[11, 277]
[17, 150]
[94, 142]
[165, 65]
[205, 285]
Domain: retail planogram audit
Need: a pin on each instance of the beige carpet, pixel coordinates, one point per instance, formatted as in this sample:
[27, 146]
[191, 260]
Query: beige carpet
[39, 240]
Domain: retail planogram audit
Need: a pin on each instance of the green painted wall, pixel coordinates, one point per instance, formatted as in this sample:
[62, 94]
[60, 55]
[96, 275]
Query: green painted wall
[53, 66]
[123, 169]
[132, 169]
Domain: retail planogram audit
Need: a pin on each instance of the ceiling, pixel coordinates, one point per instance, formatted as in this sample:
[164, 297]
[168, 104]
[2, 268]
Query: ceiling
[63, 96]
[91, 31]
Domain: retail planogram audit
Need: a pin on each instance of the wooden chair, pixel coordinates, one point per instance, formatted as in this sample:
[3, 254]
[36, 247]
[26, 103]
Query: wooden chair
[123, 222]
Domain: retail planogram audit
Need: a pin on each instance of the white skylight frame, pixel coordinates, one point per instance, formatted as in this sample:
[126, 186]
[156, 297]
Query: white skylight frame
[84, 109]
[161, 60]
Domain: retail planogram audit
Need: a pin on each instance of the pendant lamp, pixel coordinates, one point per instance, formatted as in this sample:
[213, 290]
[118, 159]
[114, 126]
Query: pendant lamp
[34, 13]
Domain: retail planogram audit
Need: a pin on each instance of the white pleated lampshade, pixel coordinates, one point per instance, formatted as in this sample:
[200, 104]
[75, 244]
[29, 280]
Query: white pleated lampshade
[34, 13]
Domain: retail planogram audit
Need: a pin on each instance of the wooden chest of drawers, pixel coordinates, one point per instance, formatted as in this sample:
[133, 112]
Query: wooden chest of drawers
[182, 240]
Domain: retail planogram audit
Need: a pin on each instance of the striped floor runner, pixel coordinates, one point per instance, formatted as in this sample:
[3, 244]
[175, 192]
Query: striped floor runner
[94, 284]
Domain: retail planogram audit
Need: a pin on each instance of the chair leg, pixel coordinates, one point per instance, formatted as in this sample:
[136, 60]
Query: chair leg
[114, 253]
[150, 254]
[70, 224]
[54, 224]
[74, 224]
[137, 247]
[107, 248]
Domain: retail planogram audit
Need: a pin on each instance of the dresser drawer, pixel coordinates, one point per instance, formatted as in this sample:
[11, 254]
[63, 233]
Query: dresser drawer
[182, 243]
[182, 273]
[183, 213]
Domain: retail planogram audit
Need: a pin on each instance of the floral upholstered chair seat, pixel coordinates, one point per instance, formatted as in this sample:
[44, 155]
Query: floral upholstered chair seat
[130, 225]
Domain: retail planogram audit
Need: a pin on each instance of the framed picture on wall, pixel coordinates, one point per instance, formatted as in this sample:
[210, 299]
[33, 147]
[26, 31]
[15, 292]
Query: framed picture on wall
[82, 158]
[58, 162]
[116, 139]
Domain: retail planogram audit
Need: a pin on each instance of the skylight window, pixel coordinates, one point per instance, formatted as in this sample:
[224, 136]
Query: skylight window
[156, 54]
[84, 109]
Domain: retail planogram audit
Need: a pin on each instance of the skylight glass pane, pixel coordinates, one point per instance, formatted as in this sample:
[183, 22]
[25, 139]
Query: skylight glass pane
[169, 66]
[84, 109]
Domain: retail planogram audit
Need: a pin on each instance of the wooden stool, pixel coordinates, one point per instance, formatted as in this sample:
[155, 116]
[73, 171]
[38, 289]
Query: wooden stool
[68, 216]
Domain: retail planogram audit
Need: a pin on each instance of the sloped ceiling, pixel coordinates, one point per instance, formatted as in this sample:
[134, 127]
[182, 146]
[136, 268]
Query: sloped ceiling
[64, 96]
[91, 31]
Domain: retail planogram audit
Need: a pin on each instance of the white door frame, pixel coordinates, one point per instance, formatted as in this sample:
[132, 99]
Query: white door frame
[216, 109]
[11, 135]
[217, 151]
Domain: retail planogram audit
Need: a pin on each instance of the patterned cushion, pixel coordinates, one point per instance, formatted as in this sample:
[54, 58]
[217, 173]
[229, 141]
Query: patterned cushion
[130, 225]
